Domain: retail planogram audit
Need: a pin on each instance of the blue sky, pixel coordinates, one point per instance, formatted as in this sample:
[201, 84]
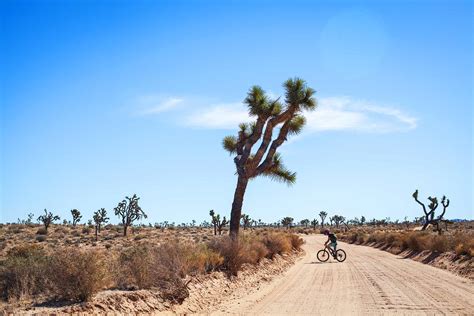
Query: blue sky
[103, 99]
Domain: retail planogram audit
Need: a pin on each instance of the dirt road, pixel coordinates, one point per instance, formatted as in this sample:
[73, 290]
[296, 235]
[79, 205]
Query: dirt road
[370, 281]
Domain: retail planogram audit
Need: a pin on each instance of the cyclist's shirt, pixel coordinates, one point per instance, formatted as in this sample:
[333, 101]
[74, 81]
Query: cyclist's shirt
[332, 237]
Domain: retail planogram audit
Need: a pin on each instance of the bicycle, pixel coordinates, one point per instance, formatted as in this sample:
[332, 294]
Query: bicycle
[323, 254]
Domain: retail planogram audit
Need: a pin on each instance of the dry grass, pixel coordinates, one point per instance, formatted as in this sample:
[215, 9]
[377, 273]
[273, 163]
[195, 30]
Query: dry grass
[462, 242]
[69, 265]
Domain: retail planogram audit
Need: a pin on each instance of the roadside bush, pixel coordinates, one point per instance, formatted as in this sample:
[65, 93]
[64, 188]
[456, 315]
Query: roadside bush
[276, 244]
[41, 231]
[135, 267]
[296, 241]
[253, 251]
[77, 275]
[24, 272]
[163, 267]
[202, 259]
[41, 238]
[231, 251]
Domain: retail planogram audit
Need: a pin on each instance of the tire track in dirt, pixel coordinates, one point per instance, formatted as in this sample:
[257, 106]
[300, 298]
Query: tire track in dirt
[370, 281]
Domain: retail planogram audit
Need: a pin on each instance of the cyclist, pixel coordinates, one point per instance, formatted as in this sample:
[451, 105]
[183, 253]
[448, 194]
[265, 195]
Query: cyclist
[332, 241]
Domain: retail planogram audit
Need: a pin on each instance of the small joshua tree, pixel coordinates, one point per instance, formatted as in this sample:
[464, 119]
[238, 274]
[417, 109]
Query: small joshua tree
[445, 203]
[337, 219]
[287, 221]
[362, 220]
[323, 215]
[47, 219]
[221, 225]
[214, 220]
[314, 223]
[129, 211]
[246, 221]
[270, 115]
[305, 222]
[100, 217]
[76, 217]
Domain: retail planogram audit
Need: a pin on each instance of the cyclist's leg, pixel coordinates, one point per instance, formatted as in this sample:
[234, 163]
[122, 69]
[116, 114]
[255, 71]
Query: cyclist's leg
[333, 245]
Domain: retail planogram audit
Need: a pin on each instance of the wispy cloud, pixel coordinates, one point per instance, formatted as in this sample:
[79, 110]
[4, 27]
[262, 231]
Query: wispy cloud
[152, 104]
[333, 114]
[221, 116]
[344, 113]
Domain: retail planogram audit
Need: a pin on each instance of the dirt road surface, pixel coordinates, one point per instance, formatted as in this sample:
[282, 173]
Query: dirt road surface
[370, 281]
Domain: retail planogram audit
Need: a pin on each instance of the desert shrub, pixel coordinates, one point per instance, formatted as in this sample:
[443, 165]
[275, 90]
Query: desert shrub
[24, 272]
[41, 238]
[135, 267]
[144, 266]
[86, 230]
[203, 259]
[41, 231]
[276, 244]
[253, 250]
[76, 275]
[439, 244]
[139, 237]
[231, 251]
[296, 241]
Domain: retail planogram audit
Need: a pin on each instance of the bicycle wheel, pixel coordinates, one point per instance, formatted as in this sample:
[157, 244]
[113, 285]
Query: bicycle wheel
[322, 255]
[340, 255]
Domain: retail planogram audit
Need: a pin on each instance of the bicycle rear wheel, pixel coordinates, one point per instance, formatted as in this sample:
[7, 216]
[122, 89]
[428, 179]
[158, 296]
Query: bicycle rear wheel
[322, 255]
[340, 255]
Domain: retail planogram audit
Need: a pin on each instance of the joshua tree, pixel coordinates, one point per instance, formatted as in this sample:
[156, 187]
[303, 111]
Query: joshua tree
[305, 222]
[47, 219]
[362, 220]
[429, 216]
[265, 161]
[215, 220]
[76, 217]
[100, 217]
[445, 203]
[337, 219]
[221, 225]
[129, 211]
[314, 223]
[323, 215]
[245, 221]
[287, 221]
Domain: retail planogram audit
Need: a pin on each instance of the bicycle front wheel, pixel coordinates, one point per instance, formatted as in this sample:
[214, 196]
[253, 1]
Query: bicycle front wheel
[322, 255]
[340, 255]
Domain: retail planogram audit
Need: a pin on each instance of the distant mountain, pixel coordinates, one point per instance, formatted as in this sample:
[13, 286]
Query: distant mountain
[460, 220]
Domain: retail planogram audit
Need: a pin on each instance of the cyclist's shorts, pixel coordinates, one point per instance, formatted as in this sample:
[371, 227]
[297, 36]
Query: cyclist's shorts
[333, 244]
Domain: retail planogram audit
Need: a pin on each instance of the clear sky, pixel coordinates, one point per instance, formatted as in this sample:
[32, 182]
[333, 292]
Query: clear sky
[102, 99]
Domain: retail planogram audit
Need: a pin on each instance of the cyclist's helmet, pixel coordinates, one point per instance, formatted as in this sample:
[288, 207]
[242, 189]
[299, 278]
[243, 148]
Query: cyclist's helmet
[326, 232]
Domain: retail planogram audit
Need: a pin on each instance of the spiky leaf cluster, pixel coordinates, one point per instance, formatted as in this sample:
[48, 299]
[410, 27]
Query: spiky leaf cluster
[271, 115]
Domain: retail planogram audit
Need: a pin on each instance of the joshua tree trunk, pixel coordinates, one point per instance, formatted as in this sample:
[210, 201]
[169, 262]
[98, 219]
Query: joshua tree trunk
[236, 211]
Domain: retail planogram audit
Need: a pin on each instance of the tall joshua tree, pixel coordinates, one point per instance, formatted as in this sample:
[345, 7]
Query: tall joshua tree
[323, 215]
[129, 211]
[269, 115]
